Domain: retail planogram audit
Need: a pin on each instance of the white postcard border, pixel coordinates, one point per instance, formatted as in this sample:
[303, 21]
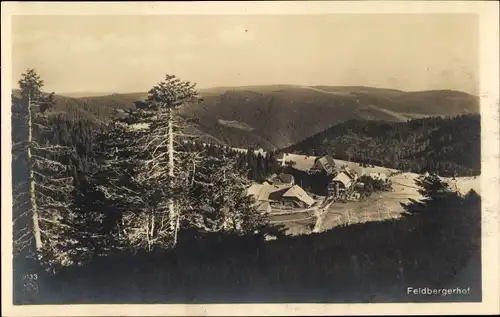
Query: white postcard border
[489, 79]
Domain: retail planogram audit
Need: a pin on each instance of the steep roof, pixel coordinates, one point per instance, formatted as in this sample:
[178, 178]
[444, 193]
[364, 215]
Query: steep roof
[261, 192]
[277, 192]
[286, 178]
[327, 163]
[344, 178]
[265, 192]
[329, 160]
[264, 207]
[349, 171]
[254, 190]
[298, 192]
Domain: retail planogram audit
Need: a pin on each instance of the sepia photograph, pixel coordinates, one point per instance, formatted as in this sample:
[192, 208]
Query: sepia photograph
[160, 154]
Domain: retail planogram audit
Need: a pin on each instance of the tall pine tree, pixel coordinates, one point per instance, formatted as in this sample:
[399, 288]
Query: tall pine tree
[50, 183]
[151, 167]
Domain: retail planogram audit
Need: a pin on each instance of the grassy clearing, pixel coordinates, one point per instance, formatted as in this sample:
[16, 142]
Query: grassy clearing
[381, 206]
[236, 124]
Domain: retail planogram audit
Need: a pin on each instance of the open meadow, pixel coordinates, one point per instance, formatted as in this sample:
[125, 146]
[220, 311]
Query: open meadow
[380, 206]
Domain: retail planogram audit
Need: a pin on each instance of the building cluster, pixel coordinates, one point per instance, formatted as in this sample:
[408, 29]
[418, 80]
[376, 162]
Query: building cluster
[281, 192]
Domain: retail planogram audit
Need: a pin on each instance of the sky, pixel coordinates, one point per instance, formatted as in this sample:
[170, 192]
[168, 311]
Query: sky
[132, 53]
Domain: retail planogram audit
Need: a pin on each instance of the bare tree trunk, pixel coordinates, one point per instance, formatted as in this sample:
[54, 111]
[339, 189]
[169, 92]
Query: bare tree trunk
[194, 172]
[171, 208]
[34, 207]
[152, 227]
[177, 223]
[148, 236]
[170, 144]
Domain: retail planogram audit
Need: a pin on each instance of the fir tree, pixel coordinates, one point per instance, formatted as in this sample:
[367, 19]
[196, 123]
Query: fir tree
[50, 185]
[219, 200]
[152, 168]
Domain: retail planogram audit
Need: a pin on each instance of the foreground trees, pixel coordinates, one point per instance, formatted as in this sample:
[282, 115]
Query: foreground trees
[147, 174]
[46, 197]
[159, 184]
[132, 185]
[348, 263]
[219, 198]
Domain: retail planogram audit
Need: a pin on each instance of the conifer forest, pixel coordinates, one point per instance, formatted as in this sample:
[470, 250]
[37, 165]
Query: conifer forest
[115, 203]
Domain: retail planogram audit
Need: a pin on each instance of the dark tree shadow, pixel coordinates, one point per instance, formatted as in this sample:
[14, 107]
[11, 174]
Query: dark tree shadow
[371, 262]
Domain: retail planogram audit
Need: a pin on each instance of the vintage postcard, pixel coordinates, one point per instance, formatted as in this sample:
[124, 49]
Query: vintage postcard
[250, 158]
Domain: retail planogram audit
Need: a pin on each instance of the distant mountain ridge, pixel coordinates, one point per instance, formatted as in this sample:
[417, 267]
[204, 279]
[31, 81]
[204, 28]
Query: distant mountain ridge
[84, 94]
[277, 116]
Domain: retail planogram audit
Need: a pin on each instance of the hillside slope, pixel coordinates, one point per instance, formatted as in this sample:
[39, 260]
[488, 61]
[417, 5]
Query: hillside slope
[98, 109]
[444, 145]
[276, 116]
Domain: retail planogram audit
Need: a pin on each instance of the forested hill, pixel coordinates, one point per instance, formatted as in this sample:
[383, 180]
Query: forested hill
[273, 117]
[276, 116]
[77, 123]
[444, 145]
[101, 109]
[97, 109]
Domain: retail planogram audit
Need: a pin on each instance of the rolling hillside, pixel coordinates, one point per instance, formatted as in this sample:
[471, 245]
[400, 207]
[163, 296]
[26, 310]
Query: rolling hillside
[98, 108]
[277, 116]
[449, 146]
